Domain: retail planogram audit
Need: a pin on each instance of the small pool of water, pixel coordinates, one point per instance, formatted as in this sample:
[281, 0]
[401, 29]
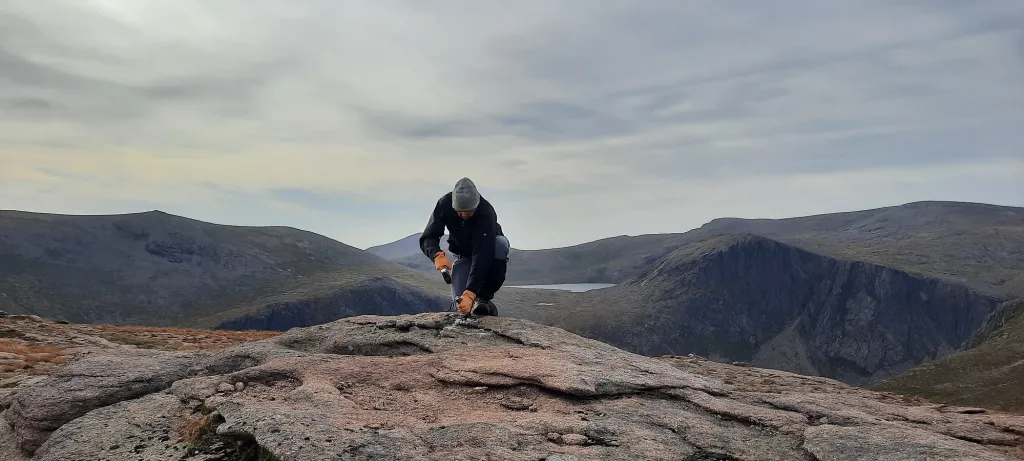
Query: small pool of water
[573, 287]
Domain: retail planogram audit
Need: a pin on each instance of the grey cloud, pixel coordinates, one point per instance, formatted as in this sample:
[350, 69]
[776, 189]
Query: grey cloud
[17, 72]
[512, 164]
[676, 85]
[553, 120]
[42, 79]
[27, 105]
[334, 202]
[388, 123]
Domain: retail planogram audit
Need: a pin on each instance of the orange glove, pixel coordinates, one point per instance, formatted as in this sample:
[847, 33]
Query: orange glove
[441, 261]
[466, 302]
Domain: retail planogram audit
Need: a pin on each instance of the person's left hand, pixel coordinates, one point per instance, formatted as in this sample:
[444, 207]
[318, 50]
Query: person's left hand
[466, 302]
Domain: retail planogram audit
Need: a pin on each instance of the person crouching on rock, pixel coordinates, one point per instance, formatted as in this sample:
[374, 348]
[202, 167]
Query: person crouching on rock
[476, 241]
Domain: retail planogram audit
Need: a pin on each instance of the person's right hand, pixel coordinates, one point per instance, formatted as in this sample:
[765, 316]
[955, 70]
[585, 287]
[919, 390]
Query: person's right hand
[441, 261]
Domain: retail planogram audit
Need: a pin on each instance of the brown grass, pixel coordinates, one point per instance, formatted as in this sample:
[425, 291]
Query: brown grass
[193, 428]
[37, 347]
[12, 347]
[137, 341]
[249, 335]
[168, 338]
[32, 355]
[179, 339]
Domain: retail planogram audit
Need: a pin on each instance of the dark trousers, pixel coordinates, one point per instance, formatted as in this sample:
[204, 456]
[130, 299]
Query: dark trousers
[495, 276]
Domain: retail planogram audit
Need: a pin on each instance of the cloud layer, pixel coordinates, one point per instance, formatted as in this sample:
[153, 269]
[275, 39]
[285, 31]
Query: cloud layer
[578, 119]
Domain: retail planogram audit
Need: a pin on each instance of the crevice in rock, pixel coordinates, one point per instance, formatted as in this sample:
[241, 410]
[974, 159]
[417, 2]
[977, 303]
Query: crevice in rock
[204, 440]
[814, 418]
[734, 416]
[268, 378]
[514, 339]
[240, 361]
[980, 440]
[727, 423]
[396, 348]
[1013, 431]
[407, 324]
[705, 455]
[452, 332]
[810, 456]
[601, 436]
[458, 378]
[473, 324]
[735, 419]
[569, 392]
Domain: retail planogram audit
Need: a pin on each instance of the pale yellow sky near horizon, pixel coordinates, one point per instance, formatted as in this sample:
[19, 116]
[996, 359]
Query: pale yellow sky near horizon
[351, 119]
[858, 190]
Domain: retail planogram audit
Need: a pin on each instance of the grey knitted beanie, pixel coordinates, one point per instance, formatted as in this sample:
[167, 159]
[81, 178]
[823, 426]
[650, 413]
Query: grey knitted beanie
[465, 196]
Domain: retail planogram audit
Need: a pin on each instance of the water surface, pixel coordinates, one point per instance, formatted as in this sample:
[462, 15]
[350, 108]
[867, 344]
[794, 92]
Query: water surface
[573, 287]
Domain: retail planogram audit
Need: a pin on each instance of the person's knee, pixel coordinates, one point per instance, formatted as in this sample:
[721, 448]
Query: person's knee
[501, 248]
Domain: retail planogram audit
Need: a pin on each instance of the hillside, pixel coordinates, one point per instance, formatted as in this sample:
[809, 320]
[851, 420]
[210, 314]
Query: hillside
[990, 373]
[975, 244]
[154, 268]
[430, 386]
[857, 296]
[405, 248]
[752, 299]
[610, 260]
[793, 302]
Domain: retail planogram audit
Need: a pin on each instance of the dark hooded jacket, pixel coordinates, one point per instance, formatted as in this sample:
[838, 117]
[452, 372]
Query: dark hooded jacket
[471, 238]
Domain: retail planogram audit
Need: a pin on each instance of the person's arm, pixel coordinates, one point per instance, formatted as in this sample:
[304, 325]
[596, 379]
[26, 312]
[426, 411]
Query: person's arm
[430, 240]
[483, 253]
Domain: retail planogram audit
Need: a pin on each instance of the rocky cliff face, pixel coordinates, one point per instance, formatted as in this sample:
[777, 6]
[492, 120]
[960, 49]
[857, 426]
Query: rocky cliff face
[866, 322]
[974, 244]
[378, 295]
[989, 371]
[430, 386]
[752, 299]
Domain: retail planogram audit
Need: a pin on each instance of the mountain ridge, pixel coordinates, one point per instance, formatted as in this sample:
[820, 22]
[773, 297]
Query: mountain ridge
[730, 296]
[673, 290]
[405, 247]
[163, 269]
[971, 243]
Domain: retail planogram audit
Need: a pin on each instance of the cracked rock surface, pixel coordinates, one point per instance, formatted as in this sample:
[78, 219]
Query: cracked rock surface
[429, 386]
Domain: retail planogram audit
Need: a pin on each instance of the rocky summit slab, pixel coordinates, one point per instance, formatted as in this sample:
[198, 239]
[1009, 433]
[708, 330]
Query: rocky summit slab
[433, 386]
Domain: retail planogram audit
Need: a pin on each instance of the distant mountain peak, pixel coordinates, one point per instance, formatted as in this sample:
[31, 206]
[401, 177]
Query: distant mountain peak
[404, 248]
[158, 268]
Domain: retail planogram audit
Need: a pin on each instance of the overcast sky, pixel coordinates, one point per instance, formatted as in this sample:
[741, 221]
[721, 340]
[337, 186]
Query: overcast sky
[578, 119]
